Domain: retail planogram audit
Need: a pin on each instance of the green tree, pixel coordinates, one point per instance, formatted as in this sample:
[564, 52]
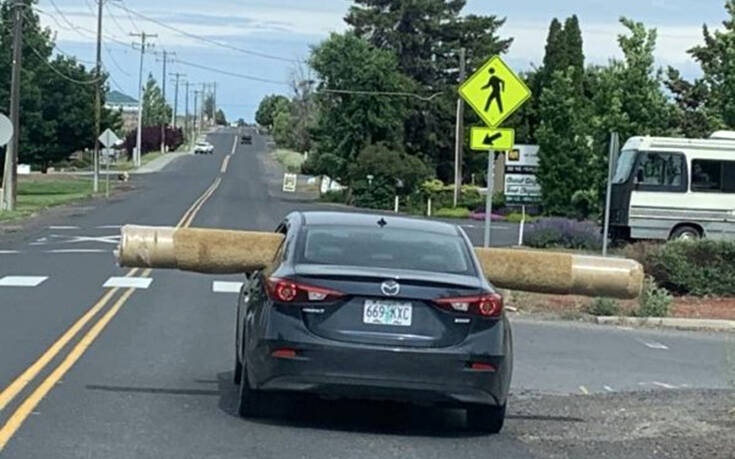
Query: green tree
[716, 89]
[57, 94]
[564, 137]
[155, 109]
[220, 118]
[693, 116]
[426, 36]
[350, 122]
[283, 128]
[269, 107]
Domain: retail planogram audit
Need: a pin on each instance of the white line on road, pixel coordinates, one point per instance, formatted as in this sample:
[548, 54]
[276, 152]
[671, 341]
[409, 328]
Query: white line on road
[664, 385]
[22, 281]
[79, 251]
[226, 287]
[654, 345]
[63, 227]
[584, 390]
[129, 282]
[109, 227]
[8, 252]
[608, 388]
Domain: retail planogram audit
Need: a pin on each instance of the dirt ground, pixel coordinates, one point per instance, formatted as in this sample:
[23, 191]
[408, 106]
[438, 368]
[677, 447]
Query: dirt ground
[575, 307]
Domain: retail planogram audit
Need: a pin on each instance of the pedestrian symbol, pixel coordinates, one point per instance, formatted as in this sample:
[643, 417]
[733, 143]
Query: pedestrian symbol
[497, 86]
[495, 92]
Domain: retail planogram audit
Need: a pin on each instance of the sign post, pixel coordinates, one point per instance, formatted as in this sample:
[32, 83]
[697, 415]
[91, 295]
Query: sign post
[495, 92]
[108, 139]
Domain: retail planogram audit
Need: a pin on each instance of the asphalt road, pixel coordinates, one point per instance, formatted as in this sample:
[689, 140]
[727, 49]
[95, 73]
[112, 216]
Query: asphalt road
[149, 374]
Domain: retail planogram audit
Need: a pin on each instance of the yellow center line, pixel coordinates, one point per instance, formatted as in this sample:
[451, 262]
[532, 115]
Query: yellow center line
[225, 163]
[6, 396]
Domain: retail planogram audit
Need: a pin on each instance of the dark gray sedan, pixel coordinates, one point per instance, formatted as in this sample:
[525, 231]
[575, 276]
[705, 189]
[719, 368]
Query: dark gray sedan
[375, 307]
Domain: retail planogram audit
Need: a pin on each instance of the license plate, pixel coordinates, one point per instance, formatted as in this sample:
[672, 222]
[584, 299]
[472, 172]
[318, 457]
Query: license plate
[387, 313]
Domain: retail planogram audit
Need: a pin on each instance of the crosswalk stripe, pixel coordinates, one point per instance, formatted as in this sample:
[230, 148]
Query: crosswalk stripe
[22, 281]
[128, 282]
[226, 287]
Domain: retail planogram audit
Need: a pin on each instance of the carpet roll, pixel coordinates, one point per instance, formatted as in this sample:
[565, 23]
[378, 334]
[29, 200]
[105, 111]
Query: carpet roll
[561, 273]
[207, 251]
[214, 251]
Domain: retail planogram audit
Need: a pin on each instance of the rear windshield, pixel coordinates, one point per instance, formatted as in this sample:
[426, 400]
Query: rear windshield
[390, 248]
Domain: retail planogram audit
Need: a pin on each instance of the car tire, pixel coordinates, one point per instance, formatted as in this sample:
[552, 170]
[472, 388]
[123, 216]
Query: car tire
[485, 418]
[250, 403]
[686, 232]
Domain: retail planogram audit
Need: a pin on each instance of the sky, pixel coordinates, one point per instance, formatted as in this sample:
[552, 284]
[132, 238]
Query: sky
[285, 30]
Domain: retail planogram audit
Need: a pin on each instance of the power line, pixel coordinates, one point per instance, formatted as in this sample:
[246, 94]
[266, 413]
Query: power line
[61, 74]
[382, 93]
[115, 63]
[232, 74]
[114, 19]
[204, 39]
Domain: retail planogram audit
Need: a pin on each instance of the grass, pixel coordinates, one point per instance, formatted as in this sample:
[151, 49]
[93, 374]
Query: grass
[35, 194]
[516, 217]
[128, 165]
[289, 159]
[459, 212]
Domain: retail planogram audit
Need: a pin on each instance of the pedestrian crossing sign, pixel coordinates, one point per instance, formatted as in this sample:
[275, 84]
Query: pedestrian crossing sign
[495, 91]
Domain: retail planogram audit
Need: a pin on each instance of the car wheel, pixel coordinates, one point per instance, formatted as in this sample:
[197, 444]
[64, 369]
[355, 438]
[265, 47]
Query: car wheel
[250, 404]
[686, 232]
[486, 418]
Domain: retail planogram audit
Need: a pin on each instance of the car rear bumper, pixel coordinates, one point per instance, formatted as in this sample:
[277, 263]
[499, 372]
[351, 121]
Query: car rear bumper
[334, 368]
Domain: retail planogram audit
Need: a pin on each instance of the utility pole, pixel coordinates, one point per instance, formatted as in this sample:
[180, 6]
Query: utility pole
[196, 113]
[214, 102]
[187, 135]
[204, 108]
[459, 134]
[166, 56]
[138, 154]
[10, 173]
[98, 100]
[176, 99]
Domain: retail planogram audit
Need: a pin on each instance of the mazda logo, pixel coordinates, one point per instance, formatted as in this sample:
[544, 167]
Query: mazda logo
[390, 288]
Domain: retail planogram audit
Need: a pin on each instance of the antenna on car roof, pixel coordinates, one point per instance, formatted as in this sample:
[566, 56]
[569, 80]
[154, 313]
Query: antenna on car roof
[382, 223]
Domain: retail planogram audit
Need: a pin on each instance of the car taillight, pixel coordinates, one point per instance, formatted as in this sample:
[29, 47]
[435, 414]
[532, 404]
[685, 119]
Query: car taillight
[487, 305]
[288, 291]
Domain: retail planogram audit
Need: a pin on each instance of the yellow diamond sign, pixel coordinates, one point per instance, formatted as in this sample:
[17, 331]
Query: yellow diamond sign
[495, 91]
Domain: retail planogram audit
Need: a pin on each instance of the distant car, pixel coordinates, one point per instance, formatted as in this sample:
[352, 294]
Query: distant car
[375, 307]
[203, 147]
[246, 139]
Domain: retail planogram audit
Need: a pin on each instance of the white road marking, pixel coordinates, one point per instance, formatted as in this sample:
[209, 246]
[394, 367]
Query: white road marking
[129, 282]
[8, 252]
[664, 385]
[79, 251]
[654, 345]
[114, 239]
[22, 281]
[109, 227]
[226, 287]
[608, 388]
[63, 227]
[584, 390]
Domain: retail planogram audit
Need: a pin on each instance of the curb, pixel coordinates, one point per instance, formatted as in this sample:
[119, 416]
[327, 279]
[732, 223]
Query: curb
[668, 322]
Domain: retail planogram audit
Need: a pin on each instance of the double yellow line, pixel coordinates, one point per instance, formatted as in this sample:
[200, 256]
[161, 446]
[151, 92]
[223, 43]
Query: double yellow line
[29, 404]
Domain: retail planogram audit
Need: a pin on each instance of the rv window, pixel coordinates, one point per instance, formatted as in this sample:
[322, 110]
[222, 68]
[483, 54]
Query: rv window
[713, 176]
[625, 165]
[661, 171]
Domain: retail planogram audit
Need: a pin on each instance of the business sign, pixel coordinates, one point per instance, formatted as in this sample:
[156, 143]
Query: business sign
[521, 183]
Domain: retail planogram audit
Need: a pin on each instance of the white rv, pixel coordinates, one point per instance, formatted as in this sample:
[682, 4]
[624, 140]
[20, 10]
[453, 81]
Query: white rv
[668, 188]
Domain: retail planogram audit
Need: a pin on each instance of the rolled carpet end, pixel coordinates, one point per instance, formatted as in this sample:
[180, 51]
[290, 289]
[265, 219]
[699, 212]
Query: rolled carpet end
[561, 273]
[208, 251]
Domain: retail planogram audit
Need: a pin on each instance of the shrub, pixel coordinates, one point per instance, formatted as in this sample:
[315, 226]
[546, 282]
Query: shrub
[516, 217]
[604, 307]
[564, 233]
[334, 196]
[459, 212]
[654, 301]
[695, 267]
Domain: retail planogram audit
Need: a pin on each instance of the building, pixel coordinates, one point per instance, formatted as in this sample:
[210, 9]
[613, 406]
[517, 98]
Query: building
[116, 100]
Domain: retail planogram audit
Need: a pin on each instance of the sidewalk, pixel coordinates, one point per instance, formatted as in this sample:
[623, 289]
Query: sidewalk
[158, 164]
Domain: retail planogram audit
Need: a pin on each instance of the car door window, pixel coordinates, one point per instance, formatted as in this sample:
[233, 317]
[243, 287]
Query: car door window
[661, 171]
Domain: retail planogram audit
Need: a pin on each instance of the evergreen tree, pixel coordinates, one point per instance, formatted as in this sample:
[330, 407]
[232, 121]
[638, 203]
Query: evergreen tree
[155, 109]
[574, 49]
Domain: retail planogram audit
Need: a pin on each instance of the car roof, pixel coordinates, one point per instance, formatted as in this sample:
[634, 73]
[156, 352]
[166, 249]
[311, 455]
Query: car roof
[315, 218]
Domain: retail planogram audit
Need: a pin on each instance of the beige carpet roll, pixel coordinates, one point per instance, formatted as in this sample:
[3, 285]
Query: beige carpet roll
[208, 251]
[561, 273]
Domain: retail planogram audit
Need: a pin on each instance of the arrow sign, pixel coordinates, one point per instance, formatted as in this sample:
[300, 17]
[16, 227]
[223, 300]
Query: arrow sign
[109, 139]
[489, 139]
